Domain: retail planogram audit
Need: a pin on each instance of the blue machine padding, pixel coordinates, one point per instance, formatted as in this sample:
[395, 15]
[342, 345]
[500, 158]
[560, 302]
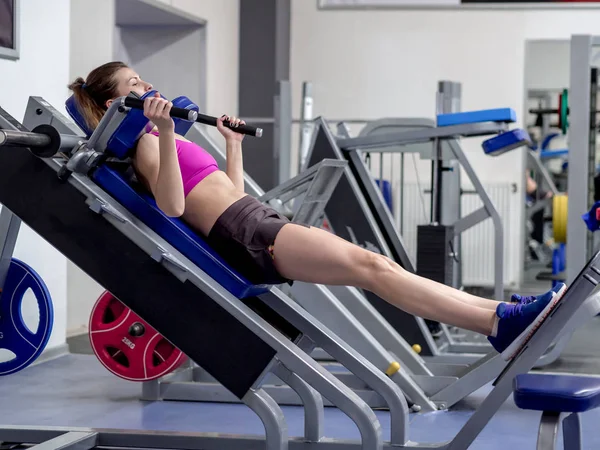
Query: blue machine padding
[183, 126]
[558, 393]
[546, 154]
[591, 218]
[386, 190]
[506, 142]
[176, 233]
[548, 139]
[133, 126]
[505, 115]
[71, 107]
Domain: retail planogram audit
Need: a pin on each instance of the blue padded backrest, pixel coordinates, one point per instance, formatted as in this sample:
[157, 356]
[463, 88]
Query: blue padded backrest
[176, 233]
[73, 110]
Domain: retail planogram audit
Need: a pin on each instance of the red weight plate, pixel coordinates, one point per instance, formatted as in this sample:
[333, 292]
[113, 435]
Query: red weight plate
[142, 357]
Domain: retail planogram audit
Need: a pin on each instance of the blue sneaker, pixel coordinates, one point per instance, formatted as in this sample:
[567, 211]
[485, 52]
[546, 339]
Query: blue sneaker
[519, 321]
[525, 300]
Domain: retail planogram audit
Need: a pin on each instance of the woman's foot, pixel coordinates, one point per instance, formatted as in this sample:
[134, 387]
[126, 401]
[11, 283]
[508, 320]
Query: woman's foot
[517, 322]
[525, 300]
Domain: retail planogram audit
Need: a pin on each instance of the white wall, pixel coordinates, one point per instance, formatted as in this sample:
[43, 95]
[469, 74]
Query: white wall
[222, 57]
[92, 48]
[374, 64]
[547, 64]
[43, 70]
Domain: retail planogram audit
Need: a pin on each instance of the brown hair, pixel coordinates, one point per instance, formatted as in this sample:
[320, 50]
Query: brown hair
[92, 94]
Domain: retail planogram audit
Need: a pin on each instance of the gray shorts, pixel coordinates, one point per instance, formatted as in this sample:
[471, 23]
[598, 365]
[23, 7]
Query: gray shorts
[244, 236]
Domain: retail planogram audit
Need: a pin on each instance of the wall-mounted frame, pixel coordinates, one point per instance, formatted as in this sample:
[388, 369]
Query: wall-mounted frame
[9, 29]
[455, 4]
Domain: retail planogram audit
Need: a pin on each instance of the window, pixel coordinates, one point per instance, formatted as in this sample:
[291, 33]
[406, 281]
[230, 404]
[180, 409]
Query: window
[9, 29]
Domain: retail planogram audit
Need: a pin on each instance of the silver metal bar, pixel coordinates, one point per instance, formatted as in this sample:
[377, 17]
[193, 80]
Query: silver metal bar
[74, 440]
[271, 416]
[379, 142]
[548, 430]
[314, 414]
[23, 138]
[115, 438]
[306, 116]
[577, 251]
[356, 363]
[471, 220]
[470, 379]
[493, 213]
[535, 163]
[9, 231]
[323, 304]
[283, 131]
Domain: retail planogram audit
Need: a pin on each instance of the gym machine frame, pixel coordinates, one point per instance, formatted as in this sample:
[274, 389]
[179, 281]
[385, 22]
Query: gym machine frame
[119, 218]
[315, 298]
[582, 150]
[573, 303]
[291, 363]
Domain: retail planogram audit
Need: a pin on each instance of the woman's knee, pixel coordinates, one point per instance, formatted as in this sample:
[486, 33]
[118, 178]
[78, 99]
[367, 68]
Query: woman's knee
[372, 267]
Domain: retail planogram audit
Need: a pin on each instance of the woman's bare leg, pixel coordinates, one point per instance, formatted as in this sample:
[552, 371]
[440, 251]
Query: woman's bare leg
[316, 256]
[457, 294]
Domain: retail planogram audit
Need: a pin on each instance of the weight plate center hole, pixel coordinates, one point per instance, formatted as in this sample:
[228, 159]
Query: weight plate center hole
[30, 311]
[6, 355]
[163, 351]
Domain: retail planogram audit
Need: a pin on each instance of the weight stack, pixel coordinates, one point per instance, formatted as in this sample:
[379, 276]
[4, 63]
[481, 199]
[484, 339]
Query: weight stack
[434, 253]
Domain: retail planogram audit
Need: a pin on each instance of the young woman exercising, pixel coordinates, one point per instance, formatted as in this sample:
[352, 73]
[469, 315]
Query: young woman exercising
[266, 247]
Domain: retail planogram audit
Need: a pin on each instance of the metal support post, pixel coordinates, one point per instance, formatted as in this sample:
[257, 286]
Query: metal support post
[306, 127]
[283, 132]
[581, 153]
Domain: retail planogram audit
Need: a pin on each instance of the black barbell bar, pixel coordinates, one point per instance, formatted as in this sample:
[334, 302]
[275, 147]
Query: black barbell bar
[43, 141]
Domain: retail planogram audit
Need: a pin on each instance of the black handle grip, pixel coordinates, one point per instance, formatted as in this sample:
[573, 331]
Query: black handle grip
[243, 129]
[193, 116]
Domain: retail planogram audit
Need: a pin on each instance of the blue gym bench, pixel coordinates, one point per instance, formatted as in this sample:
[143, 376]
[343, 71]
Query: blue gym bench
[561, 398]
[227, 335]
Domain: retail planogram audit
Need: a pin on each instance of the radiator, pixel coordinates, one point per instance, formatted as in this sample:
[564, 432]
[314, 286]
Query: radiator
[478, 242]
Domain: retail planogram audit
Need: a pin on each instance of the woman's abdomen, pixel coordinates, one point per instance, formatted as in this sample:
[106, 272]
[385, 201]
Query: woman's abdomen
[209, 199]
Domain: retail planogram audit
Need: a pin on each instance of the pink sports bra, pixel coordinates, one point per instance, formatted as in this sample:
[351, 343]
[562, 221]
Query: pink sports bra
[195, 163]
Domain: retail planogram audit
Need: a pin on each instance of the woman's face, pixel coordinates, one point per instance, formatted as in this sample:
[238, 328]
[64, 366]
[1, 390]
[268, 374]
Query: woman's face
[129, 81]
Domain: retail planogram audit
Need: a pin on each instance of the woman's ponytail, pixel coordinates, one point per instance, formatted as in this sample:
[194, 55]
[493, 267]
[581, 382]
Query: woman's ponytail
[91, 95]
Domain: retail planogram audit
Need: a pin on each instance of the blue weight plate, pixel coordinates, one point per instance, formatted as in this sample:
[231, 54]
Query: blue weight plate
[14, 334]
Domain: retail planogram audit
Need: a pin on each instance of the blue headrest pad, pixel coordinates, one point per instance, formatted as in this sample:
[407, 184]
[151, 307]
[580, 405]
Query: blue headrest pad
[183, 126]
[505, 142]
[176, 233]
[73, 110]
[129, 131]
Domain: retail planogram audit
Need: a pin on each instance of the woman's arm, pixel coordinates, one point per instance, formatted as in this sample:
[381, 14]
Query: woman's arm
[235, 163]
[156, 159]
[233, 143]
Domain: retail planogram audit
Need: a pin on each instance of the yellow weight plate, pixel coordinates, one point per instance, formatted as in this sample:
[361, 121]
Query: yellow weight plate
[559, 217]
